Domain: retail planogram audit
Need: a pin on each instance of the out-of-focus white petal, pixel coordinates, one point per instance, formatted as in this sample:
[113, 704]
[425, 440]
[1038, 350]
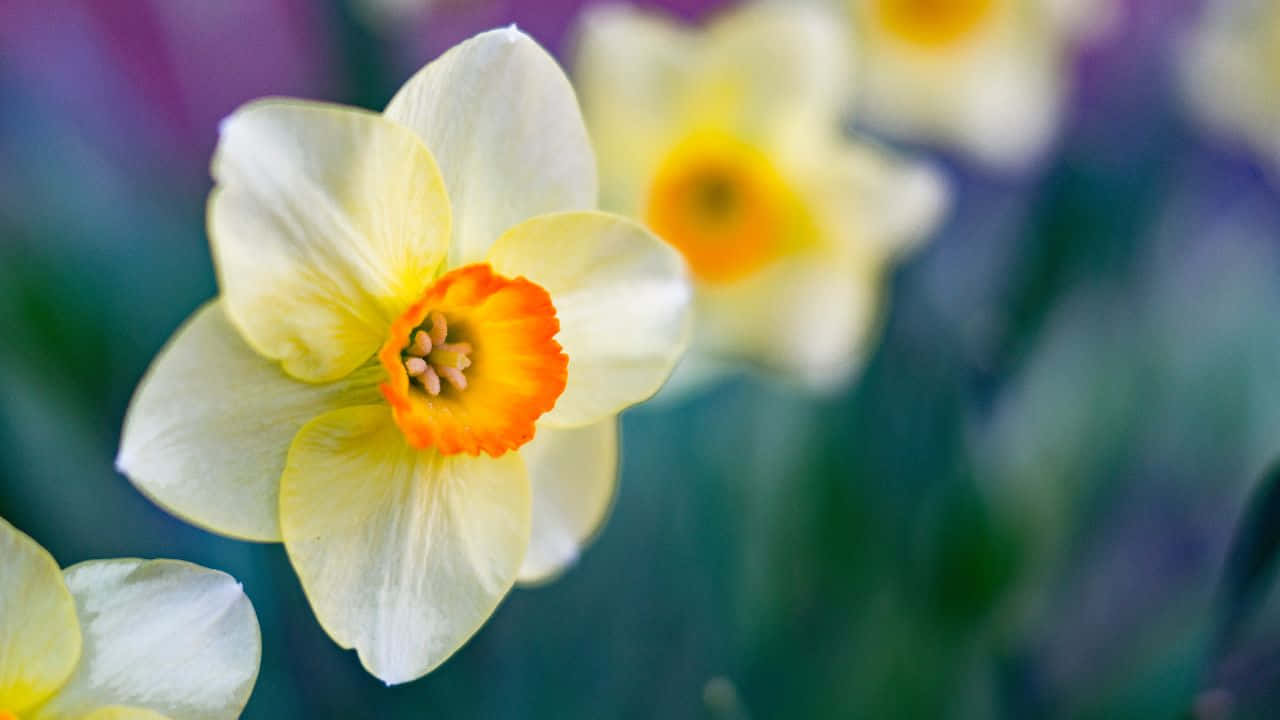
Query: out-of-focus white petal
[869, 202]
[403, 553]
[631, 69]
[164, 635]
[325, 224]
[996, 93]
[210, 425]
[769, 70]
[503, 123]
[574, 474]
[622, 299]
[808, 317]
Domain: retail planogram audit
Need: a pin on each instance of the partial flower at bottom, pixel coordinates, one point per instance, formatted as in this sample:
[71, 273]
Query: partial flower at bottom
[121, 639]
[424, 335]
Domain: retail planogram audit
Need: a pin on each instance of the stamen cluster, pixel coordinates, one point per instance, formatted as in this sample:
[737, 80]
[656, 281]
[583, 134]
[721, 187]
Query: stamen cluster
[430, 357]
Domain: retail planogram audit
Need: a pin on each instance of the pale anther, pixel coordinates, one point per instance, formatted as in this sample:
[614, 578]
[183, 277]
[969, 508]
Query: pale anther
[415, 366]
[430, 381]
[421, 344]
[439, 329]
[455, 377]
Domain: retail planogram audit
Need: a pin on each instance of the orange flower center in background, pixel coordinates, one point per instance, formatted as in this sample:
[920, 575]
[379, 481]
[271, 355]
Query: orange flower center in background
[473, 363]
[723, 205]
[6, 715]
[933, 24]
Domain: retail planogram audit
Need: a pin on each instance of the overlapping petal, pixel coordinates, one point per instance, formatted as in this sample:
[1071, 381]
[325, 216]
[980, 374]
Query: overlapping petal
[574, 474]
[39, 633]
[326, 221]
[622, 297]
[210, 425]
[171, 637]
[502, 121]
[402, 553]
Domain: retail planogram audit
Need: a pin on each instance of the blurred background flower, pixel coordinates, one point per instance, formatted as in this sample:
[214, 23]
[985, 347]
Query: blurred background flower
[727, 141]
[1021, 508]
[987, 77]
[1229, 69]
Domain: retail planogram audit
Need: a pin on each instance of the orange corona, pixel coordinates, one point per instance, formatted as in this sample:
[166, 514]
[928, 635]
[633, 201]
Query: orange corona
[474, 362]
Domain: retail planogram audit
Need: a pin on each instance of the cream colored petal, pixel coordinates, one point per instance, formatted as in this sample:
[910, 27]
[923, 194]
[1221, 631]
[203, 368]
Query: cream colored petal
[622, 298]
[502, 121]
[210, 425]
[325, 224]
[168, 636]
[631, 68]
[39, 633]
[811, 318]
[574, 474]
[997, 97]
[870, 202]
[770, 71]
[121, 712]
[403, 553]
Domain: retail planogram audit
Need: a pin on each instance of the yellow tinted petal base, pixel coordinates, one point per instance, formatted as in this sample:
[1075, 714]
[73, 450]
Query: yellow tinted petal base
[39, 633]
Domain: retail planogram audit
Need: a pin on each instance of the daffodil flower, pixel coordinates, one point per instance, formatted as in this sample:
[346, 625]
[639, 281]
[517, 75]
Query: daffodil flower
[986, 76]
[424, 335]
[1231, 71]
[727, 142]
[121, 639]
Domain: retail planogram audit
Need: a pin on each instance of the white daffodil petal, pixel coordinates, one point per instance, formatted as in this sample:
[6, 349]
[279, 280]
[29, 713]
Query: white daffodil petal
[771, 70]
[810, 317]
[403, 553]
[168, 636]
[210, 425]
[631, 70]
[325, 223]
[39, 632]
[574, 474]
[622, 298]
[501, 119]
[121, 712]
[871, 203]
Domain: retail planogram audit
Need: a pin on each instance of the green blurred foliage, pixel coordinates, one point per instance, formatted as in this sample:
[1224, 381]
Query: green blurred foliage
[1020, 509]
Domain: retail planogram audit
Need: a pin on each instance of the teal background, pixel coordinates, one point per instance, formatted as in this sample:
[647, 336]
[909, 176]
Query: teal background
[1020, 509]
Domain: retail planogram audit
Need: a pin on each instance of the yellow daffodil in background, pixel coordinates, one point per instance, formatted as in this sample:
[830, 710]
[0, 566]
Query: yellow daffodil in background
[121, 639]
[424, 335]
[986, 76]
[1231, 71]
[727, 142]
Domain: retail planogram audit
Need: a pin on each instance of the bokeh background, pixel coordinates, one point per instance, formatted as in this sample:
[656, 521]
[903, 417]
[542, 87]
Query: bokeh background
[1022, 508]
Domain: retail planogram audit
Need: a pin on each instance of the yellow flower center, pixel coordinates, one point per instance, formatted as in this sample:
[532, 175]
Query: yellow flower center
[724, 206]
[933, 24]
[473, 363]
[7, 715]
